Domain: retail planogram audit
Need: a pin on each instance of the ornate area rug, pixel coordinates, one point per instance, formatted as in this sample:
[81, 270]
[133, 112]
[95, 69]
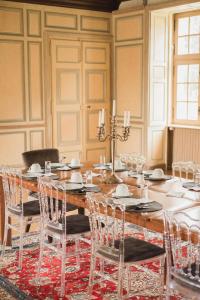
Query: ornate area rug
[22, 284]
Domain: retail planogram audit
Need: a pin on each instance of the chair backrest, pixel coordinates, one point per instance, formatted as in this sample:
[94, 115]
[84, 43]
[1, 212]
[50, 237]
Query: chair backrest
[183, 169]
[40, 156]
[107, 225]
[52, 210]
[184, 235]
[13, 190]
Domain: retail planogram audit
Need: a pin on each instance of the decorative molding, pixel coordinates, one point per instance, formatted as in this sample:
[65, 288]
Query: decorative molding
[71, 49]
[101, 149]
[117, 20]
[23, 83]
[60, 141]
[36, 12]
[29, 81]
[95, 20]
[87, 61]
[42, 137]
[98, 5]
[87, 84]
[21, 22]
[59, 72]
[89, 112]
[73, 18]
[160, 156]
[133, 117]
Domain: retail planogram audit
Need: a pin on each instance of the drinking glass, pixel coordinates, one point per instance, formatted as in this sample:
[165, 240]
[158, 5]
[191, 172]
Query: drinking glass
[102, 160]
[47, 167]
[88, 177]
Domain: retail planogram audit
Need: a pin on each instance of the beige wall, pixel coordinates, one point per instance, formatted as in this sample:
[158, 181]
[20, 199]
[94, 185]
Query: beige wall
[25, 98]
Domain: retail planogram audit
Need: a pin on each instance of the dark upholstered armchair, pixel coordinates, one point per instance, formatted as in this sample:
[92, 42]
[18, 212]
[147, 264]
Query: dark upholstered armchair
[40, 156]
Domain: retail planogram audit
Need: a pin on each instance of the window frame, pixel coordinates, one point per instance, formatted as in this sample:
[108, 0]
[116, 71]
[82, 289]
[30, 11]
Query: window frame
[181, 60]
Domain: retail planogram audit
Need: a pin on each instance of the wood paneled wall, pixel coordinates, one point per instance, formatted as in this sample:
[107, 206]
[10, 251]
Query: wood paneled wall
[129, 76]
[23, 71]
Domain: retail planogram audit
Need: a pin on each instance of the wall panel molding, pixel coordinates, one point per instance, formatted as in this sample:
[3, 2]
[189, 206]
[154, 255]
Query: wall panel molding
[66, 133]
[35, 80]
[94, 79]
[12, 81]
[37, 139]
[97, 24]
[11, 21]
[129, 28]
[34, 25]
[61, 20]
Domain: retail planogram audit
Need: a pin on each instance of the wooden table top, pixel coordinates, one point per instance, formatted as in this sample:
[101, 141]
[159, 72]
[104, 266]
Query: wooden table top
[157, 191]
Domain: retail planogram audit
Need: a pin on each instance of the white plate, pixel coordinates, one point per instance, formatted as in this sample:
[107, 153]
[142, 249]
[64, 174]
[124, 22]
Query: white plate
[38, 172]
[127, 201]
[165, 177]
[148, 172]
[73, 186]
[120, 197]
[89, 185]
[75, 167]
[32, 175]
[57, 165]
[65, 168]
[72, 181]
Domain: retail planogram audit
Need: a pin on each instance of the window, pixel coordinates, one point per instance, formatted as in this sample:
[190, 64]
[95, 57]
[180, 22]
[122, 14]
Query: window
[187, 68]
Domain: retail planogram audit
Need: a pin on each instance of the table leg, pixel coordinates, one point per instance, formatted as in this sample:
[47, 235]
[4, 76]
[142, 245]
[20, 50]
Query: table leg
[2, 215]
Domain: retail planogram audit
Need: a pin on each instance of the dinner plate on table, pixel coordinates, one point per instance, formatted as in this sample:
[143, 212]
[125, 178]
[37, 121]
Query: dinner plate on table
[73, 186]
[75, 167]
[57, 165]
[126, 201]
[165, 177]
[32, 175]
[114, 195]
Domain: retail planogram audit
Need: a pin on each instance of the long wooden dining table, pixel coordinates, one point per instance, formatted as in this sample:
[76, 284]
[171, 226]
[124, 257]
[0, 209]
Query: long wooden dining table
[164, 192]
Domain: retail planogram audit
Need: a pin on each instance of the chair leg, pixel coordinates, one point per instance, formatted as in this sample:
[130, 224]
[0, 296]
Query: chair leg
[77, 249]
[21, 243]
[120, 282]
[5, 237]
[63, 258]
[28, 226]
[91, 278]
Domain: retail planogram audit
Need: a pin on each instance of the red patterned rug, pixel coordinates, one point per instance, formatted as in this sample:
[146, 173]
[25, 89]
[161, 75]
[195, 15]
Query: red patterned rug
[22, 284]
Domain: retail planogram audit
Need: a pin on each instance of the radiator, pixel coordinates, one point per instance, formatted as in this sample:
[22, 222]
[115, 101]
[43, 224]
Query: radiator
[186, 144]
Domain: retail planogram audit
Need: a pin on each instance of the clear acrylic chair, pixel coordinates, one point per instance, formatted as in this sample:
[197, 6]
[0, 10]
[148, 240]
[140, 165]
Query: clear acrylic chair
[18, 210]
[111, 245]
[58, 226]
[183, 255]
[183, 169]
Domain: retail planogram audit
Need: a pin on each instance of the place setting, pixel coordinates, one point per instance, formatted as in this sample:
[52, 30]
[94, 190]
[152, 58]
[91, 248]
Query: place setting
[36, 171]
[134, 203]
[80, 184]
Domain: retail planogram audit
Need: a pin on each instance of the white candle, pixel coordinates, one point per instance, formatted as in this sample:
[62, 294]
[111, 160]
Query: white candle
[125, 118]
[100, 118]
[103, 116]
[128, 118]
[114, 108]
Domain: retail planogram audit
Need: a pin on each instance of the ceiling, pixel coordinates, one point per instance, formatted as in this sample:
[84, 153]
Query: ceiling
[99, 5]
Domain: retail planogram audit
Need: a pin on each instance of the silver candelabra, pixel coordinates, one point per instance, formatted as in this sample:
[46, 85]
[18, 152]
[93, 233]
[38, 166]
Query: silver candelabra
[113, 136]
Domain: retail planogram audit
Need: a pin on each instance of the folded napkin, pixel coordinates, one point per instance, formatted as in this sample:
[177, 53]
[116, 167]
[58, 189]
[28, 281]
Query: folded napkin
[175, 194]
[145, 207]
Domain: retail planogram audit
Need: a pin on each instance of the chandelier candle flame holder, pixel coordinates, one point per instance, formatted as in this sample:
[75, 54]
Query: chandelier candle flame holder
[113, 136]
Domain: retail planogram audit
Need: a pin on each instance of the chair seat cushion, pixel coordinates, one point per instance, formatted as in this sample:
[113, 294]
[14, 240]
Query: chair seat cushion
[75, 224]
[31, 208]
[136, 250]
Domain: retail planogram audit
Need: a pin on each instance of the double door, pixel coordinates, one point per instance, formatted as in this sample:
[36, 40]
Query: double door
[80, 87]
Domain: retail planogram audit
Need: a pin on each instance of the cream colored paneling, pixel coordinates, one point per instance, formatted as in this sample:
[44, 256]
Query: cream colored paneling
[33, 23]
[97, 24]
[13, 143]
[157, 145]
[68, 86]
[11, 21]
[12, 82]
[158, 103]
[95, 55]
[93, 155]
[69, 155]
[36, 139]
[92, 123]
[134, 143]
[60, 20]
[128, 28]
[35, 81]
[159, 39]
[68, 54]
[68, 128]
[95, 86]
[129, 79]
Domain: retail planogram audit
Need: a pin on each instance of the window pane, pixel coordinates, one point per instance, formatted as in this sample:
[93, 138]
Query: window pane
[181, 92]
[183, 26]
[182, 72]
[183, 45]
[193, 92]
[192, 111]
[181, 111]
[195, 24]
[194, 44]
[193, 73]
